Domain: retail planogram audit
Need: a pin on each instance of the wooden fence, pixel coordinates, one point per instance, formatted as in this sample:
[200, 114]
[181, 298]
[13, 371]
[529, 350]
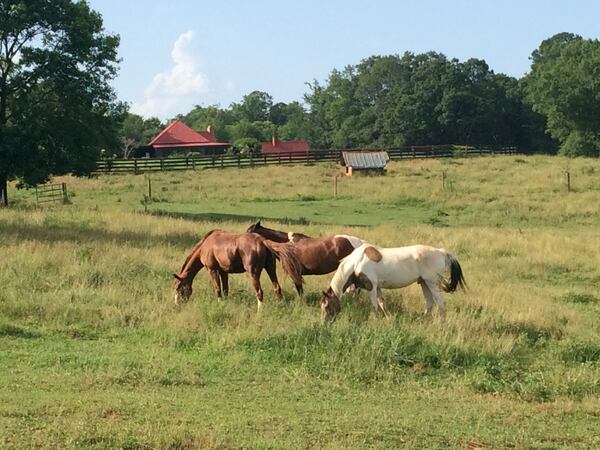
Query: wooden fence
[140, 165]
[55, 193]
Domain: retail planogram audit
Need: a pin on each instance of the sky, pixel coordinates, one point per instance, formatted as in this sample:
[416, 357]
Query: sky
[181, 53]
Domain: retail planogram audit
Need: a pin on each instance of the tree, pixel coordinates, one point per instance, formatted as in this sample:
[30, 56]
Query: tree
[57, 109]
[563, 85]
[254, 107]
[138, 131]
[201, 117]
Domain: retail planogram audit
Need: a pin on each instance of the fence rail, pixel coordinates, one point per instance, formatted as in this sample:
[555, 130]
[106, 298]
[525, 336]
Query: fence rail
[140, 165]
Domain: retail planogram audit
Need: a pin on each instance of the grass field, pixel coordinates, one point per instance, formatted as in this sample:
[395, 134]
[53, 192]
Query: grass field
[94, 353]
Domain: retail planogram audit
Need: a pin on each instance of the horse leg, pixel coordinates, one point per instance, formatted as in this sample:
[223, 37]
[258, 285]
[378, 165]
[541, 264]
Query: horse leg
[377, 300]
[380, 302]
[255, 277]
[434, 287]
[225, 283]
[428, 298]
[272, 272]
[216, 283]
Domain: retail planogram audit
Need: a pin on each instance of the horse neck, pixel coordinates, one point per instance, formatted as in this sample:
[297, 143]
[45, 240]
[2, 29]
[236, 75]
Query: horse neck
[192, 266]
[273, 235]
[343, 272]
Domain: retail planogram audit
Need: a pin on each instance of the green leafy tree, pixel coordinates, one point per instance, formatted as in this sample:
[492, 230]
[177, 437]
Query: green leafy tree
[563, 85]
[247, 146]
[254, 107]
[200, 118]
[296, 125]
[138, 131]
[57, 109]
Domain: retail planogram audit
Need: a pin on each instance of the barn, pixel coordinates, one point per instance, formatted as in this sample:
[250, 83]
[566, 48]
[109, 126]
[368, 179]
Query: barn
[288, 149]
[177, 137]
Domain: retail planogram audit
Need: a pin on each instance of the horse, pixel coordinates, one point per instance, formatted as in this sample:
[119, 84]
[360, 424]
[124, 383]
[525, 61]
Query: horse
[317, 255]
[223, 253]
[373, 268]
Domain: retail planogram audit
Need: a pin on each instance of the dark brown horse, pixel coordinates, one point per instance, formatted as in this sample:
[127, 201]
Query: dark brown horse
[223, 253]
[318, 256]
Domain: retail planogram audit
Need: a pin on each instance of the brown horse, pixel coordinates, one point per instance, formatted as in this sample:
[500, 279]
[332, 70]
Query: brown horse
[223, 253]
[318, 256]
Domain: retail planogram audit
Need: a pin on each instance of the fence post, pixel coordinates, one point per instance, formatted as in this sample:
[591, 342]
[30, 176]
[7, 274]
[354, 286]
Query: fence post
[568, 181]
[221, 160]
[162, 163]
[335, 185]
[135, 167]
[64, 192]
[414, 155]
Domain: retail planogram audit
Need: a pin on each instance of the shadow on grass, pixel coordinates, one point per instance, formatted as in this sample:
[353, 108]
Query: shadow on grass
[222, 217]
[7, 329]
[84, 234]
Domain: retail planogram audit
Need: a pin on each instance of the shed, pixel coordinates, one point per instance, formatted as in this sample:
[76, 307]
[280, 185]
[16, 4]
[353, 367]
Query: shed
[362, 160]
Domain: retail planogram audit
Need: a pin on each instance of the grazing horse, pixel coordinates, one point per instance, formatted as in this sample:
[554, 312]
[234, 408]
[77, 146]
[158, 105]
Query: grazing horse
[223, 253]
[374, 268]
[318, 256]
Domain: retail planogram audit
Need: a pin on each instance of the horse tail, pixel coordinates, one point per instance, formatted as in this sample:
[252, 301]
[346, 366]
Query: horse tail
[284, 252]
[456, 275]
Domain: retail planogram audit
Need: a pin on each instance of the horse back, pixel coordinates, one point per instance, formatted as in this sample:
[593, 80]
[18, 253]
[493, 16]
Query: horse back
[233, 252]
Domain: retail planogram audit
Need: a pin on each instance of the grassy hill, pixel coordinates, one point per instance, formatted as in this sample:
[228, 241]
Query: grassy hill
[94, 353]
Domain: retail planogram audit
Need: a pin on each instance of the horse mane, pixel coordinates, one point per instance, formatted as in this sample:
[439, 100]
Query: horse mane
[196, 247]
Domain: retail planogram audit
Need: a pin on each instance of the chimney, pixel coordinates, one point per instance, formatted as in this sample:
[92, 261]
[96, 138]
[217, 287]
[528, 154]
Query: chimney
[274, 141]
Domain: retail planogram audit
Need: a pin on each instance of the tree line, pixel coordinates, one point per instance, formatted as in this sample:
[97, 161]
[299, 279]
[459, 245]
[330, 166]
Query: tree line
[58, 109]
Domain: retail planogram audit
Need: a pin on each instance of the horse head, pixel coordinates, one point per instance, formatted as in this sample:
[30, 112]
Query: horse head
[254, 227]
[330, 305]
[183, 289]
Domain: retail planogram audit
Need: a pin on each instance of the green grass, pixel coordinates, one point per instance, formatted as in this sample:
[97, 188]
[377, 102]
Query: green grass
[94, 354]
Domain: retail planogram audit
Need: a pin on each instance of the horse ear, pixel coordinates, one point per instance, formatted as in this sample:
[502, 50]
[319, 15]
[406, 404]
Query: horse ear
[325, 294]
[177, 277]
[258, 223]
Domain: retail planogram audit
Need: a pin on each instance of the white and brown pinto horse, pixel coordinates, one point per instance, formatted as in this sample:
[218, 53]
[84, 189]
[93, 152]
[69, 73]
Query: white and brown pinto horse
[375, 268]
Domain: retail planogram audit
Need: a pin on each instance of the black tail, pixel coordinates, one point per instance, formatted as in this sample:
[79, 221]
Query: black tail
[456, 275]
[289, 262]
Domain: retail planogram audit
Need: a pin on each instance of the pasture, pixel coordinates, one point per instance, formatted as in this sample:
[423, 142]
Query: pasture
[94, 353]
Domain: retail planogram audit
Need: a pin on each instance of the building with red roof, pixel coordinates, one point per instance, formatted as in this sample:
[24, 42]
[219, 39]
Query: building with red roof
[177, 137]
[294, 149]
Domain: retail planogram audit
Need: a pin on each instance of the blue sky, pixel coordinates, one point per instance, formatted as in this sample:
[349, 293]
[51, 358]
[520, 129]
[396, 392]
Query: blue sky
[180, 53]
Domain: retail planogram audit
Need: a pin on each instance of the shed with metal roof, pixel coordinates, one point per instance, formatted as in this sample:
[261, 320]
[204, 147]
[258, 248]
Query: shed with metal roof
[365, 160]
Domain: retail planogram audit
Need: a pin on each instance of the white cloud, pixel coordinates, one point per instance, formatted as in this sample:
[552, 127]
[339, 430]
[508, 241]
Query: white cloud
[176, 89]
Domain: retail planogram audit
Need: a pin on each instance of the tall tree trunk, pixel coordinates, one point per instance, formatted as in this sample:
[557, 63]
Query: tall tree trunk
[3, 191]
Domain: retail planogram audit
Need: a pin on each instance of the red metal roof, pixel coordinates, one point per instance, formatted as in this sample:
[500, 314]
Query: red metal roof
[178, 134]
[277, 146]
